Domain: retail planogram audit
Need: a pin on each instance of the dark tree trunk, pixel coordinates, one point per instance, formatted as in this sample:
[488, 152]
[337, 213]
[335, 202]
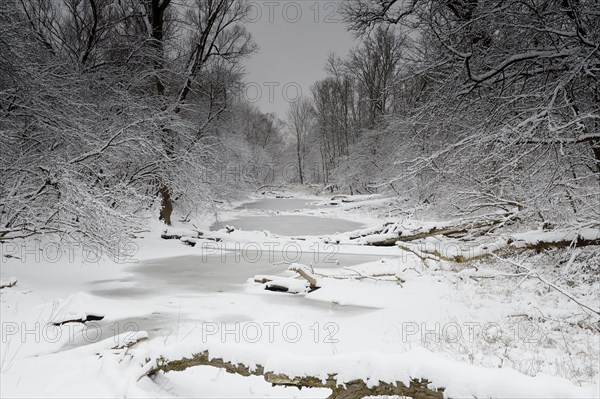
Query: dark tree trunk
[157, 11]
[166, 204]
[596, 149]
[298, 148]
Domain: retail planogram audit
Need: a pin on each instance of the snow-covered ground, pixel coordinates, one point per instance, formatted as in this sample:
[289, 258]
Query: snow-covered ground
[380, 314]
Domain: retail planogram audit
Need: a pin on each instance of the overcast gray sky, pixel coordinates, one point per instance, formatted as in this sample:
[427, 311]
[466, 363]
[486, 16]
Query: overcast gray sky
[295, 38]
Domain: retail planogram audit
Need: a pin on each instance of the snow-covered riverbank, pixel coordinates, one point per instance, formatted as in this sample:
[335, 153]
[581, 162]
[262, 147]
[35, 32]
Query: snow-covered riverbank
[380, 314]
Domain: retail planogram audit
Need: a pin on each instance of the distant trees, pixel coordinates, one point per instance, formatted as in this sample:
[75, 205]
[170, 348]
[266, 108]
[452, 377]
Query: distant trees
[351, 109]
[300, 117]
[335, 110]
[376, 67]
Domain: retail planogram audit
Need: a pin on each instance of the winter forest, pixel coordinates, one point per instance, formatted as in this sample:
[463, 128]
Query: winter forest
[421, 220]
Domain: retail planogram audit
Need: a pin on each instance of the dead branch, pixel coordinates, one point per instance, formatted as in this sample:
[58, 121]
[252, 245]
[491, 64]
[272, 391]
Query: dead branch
[473, 227]
[311, 280]
[548, 283]
[82, 320]
[9, 284]
[263, 279]
[269, 286]
[516, 246]
[129, 344]
[361, 276]
[166, 236]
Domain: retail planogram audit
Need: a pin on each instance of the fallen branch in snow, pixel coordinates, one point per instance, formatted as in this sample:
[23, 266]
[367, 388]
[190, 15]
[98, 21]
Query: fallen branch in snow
[448, 231]
[178, 236]
[535, 275]
[349, 390]
[188, 241]
[84, 319]
[377, 276]
[533, 240]
[311, 280]
[586, 325]
[286, 284]
[166, 236]
[579, 241]
[391, 233]
[131, 341]
[263, 279]
[361, 276]
[423, 255]
[275, 287]
[11, 283]
[291, 285]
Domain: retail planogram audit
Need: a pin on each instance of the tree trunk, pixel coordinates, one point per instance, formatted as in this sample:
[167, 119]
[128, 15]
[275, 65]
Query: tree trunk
[596, 150]
[298, 148]
[157, 14]
[166, 204]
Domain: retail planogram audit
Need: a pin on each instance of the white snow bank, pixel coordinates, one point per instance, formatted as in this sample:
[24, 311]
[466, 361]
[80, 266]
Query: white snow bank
[536, 236]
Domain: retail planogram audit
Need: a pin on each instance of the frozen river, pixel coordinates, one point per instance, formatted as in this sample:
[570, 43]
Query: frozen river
[217, 268]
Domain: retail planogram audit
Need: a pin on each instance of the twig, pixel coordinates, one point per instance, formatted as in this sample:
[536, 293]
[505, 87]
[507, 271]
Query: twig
[540, 278]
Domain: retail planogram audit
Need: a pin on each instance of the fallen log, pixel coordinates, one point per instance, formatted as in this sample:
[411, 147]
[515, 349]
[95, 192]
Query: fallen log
[174, 236]
[278, 288]
[539, 246]
[417, 388]
[516, 244]
[391, 233]
[166, 236]
[291, 285]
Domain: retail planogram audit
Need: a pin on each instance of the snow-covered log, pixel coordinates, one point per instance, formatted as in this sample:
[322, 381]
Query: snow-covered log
[290, 285]
[453, 251]
[419, 373]
[390, 233]
[417, 388]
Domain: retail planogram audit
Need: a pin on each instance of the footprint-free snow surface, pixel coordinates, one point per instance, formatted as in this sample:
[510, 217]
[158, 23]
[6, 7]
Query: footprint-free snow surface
[380, 314]
[291, 225]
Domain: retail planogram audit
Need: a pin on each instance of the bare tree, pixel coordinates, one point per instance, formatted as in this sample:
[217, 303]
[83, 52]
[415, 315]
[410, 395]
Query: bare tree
[511, 114]
[216, 33]
[103, 104]
[65, 162]
[300, 117]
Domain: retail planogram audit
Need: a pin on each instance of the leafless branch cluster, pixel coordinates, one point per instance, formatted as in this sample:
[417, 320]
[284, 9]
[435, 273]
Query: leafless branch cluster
[107, 105]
